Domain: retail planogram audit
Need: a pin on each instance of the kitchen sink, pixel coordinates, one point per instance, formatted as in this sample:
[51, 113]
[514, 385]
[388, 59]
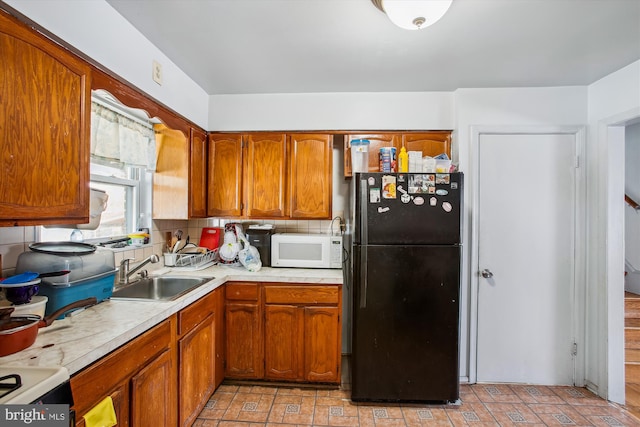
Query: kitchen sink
[161, 288]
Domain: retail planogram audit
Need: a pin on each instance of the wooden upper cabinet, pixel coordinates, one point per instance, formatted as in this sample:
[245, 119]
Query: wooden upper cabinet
[265, 175]
[270, 175]
[171, 178]
[376, 141]
[198, 175]
[429, 143]
[225, 175]
[310, 177]
[44, 130]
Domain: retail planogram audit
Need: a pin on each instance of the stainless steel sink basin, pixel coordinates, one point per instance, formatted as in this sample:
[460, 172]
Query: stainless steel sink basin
[161, 288]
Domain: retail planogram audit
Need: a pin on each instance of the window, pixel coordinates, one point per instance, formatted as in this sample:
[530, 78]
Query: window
[127, 207]
[122, 161]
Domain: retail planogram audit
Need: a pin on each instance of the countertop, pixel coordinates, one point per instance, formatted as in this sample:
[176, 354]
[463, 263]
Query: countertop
[86, 336]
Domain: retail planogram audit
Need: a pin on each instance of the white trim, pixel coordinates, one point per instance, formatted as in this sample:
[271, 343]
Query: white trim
[578, 286]
[609, 305]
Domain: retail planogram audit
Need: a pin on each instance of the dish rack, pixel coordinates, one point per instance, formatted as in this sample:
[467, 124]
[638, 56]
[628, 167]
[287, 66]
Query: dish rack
[192, 262]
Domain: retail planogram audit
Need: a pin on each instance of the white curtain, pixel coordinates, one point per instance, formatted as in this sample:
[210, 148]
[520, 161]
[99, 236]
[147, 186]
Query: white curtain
[117, 137]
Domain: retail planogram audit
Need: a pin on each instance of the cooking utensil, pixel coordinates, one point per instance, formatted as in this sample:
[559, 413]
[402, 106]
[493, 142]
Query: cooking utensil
[20, 332]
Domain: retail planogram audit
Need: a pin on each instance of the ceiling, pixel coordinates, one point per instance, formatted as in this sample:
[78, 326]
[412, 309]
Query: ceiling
[305, 46]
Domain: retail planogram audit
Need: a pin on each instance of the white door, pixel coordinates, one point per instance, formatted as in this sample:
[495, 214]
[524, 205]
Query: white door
[526, 234]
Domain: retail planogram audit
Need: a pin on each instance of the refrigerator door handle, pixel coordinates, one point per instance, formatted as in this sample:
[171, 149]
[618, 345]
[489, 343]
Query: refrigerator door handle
[363, 277]
[364, 234]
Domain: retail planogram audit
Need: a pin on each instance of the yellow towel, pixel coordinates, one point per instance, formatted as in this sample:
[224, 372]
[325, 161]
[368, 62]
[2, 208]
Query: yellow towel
[101, 415]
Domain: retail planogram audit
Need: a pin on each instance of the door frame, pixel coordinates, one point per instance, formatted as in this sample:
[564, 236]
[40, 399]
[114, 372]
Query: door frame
[609, 303]
[578, 302]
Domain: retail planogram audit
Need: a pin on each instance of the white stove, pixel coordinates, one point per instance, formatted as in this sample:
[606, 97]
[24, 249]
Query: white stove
[35, 382]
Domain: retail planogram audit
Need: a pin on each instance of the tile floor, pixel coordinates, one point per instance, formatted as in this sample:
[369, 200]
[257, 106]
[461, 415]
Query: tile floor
[482, 405]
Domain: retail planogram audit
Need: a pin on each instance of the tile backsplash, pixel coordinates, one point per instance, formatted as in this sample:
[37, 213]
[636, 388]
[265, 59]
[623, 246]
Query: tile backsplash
[15, 240]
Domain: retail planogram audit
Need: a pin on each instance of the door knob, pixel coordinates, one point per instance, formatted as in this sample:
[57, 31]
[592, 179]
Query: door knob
[486, 273]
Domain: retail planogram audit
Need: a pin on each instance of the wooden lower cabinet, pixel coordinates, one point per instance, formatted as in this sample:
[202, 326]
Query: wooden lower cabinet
[140, 377]
[152, 397]
[244, 349]
[165, 376]
[298, 340]
[283, 324]
[197, 331]
[322, 345]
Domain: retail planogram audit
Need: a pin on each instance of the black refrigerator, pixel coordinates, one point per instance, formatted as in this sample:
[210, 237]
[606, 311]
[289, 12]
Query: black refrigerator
[406, 284]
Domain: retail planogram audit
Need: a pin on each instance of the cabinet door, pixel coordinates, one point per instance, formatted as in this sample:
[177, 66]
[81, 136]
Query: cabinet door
[171, 178]
[219, 335]
[310, 178]
[265, 175]
[44, 130]
[283, 345]
[198, 175]
[197, 370]
[152, 402]
[376, 141]
[429, 143]
[120, 399]
[244, 349]
[225, 175]
[322, 344]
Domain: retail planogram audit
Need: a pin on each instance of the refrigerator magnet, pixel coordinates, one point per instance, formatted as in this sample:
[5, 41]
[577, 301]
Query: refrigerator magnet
[419, 201]
[388, 187]
[454, 185]
[371, 180]
[446, 206]
[441, 192]
[374, 195]
[442, 178]
[431, 190]
[433, 201]
[405, 198]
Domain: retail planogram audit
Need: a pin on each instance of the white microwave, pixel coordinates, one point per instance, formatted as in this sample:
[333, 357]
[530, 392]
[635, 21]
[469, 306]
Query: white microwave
[306, 250]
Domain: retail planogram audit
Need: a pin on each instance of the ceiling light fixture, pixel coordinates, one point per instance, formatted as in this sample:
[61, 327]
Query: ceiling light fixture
[413, 14]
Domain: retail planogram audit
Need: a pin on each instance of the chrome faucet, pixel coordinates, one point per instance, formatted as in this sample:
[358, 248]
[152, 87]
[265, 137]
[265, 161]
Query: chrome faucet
[125, 273]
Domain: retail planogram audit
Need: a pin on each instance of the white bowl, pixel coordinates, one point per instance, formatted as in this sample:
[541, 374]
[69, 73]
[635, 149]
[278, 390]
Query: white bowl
[37, 306]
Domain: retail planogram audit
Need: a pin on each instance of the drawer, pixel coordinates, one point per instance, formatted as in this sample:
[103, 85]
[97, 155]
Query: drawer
[192, 315]
[242, 291]
[302, 294]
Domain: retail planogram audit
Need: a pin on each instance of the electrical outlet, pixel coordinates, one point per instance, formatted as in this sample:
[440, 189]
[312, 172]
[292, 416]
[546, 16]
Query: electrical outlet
[156, 71]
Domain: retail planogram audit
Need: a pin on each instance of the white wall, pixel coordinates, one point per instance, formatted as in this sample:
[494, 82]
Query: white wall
[332, 111]
[613, 101]
[97, 30]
